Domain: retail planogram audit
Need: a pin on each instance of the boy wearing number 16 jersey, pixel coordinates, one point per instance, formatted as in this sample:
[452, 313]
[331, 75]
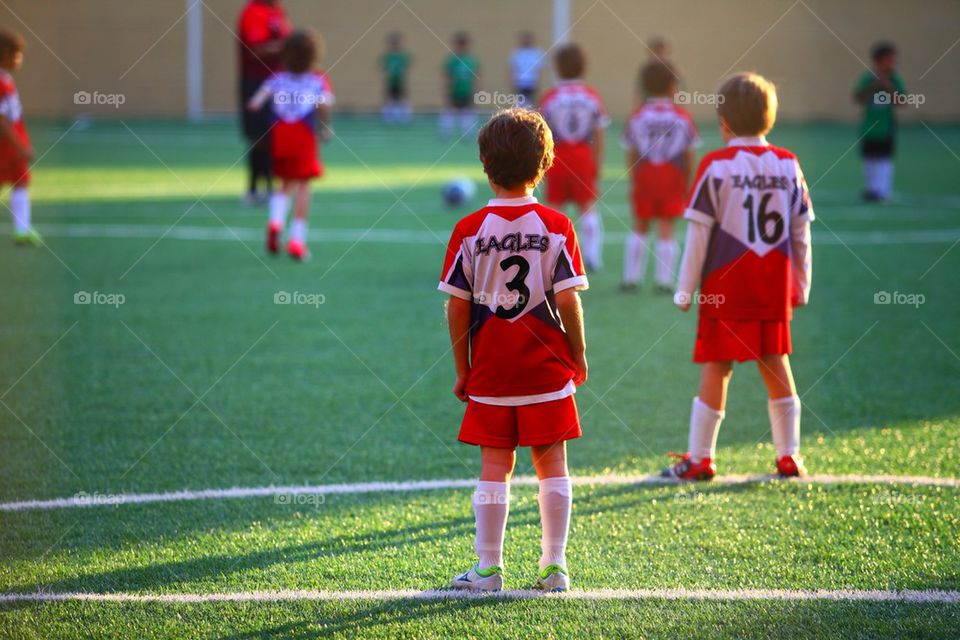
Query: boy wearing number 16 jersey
[748, 249]
[512, 271]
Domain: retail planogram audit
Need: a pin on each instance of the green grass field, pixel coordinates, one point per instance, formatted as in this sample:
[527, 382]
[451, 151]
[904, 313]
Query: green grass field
[200, 381]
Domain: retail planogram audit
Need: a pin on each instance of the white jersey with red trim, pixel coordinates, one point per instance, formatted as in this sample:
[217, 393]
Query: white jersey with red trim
[660, 132]
[573, 111]
[295, 96]
[510, 259]
[755, 199]
[10, 106]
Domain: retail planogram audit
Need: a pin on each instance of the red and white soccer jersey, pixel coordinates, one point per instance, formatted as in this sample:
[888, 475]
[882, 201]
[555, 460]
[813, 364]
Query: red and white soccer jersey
[660, 133]
[754, 198]
[573, 111]
[510, 259]
[294, 101]
[13, 168]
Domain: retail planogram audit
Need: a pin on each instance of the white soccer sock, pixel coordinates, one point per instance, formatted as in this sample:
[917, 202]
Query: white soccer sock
[298, 230]
[591, 228]
[885, 177]
[556, 500]
[279, 206]
[468, 120]
[666, 262]
[785, 425]
[447, 120]
[634, 258]
[870, 174]
[491, 504]
[20, 208]
[704, 426]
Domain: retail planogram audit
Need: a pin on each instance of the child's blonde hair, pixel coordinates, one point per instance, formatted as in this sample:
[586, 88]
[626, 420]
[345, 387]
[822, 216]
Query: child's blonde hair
[747, 102]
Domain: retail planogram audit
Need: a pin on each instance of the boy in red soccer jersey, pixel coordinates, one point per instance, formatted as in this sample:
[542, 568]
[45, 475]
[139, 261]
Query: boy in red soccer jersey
[299, 93]
[16, 152]
[660, 138]
[513, 271]
[577, 119]
[748, 250]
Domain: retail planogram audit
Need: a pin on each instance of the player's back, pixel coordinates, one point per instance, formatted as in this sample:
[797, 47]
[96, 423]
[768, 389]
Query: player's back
[660, 132]
[296, 95]
[509, 259]
[752, 193]
[573, 110]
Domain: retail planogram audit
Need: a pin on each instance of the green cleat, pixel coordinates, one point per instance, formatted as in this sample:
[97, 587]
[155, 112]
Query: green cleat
[477, 579]
[553, 578]
[28, 239]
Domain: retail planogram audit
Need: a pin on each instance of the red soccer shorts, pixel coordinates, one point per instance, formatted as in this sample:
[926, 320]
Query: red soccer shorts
[659, 191]
[293, 151]
[573, 176]
[528, 425]
[740, 340]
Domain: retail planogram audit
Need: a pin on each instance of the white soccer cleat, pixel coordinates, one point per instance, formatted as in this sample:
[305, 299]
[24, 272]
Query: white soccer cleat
[553, 578]
[477, 579]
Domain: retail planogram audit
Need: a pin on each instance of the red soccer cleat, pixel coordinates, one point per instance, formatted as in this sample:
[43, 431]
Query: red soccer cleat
[687, 469]
[298, 250]
[791, 467]
[273, 238]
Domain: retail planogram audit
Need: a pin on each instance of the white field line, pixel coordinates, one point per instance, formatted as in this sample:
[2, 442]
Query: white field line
[107, 499]
[791, 595]
[415, 236]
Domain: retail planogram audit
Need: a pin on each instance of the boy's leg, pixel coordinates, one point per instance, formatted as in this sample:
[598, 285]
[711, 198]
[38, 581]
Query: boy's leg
[635, 253]
[555, 497]
[20, 210]
[491, 504]
[784, 404]
[280, 206]
[448, 119]
[301, 207]
[591, 228]
[666, 254]
[708, 409]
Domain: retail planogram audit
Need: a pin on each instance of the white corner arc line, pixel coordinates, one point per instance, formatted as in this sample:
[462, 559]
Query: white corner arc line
[105, 499]
[791, 595]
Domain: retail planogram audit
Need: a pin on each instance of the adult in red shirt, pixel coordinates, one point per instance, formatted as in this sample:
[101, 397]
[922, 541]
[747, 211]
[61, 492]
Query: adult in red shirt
[261, 30]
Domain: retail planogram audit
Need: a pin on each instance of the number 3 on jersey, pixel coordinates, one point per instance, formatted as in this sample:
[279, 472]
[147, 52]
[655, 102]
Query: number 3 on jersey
[760, 221]
[518, 284]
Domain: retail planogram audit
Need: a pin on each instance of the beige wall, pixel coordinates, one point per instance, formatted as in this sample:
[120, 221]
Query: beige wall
[137, 48]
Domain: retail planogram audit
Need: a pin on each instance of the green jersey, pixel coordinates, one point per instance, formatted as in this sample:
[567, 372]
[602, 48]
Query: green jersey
[879, 120]
[395, 65]
[462, 73]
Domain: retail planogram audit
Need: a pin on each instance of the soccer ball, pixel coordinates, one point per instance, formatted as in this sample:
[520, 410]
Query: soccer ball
[458, 191]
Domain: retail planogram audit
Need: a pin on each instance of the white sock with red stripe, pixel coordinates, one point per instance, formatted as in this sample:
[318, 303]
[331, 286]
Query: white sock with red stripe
[785, 425]
[634, 258]
[556, 501]
[704, 427]
[591, 229]
[298, 230]
[666, 262]
[491, 505]
[20, 209]
[279, 206]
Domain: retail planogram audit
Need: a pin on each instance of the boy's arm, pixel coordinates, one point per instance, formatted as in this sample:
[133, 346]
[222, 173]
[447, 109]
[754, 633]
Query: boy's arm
[323, 119]
[458, 321]
[688, 165]
[598, 147]
[802, 259]
[259, 98]
[571, 314]
[7, 134]
[632, 158]
[691, 265]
